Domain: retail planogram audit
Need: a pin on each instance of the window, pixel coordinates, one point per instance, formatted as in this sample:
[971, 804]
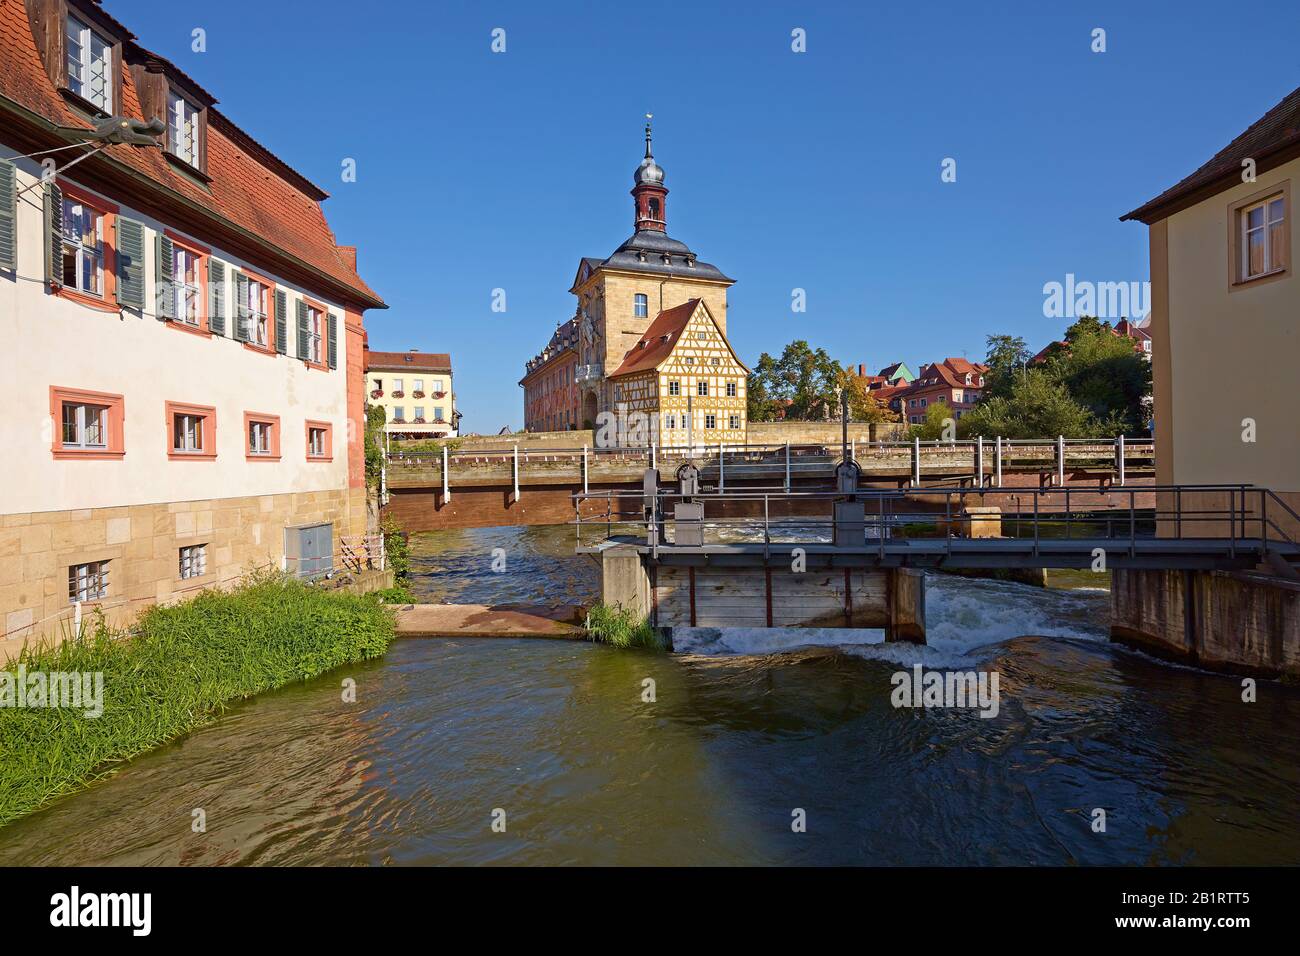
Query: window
[192, 431]
[188, 288]
[710, 421]
[194, 561]
[90, 65]
[262, 436]
[715, 361]
[689, 360]
[1262, 237]
[670, 422]
[83, 247]
[399, 413]
[419, 385]
[258, 330]
[438, 385]
[320, 441]
[88, 582]
[640, 305]
[438, 414]
[674, 387]
[397, 386]
[315, 328]
[731, 390]
[701, 388]
[733, 422]
[183, 128]
[86, 424]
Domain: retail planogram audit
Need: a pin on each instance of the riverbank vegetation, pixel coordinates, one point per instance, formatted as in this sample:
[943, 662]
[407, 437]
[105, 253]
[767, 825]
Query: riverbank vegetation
[174, 670]
[622, 627]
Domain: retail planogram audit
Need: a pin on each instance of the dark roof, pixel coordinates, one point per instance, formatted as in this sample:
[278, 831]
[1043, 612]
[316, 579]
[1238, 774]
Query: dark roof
[431, 361]
[1275, 131]
[645, 252]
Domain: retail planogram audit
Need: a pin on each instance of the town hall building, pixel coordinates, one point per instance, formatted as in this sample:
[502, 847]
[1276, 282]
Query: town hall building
[651, 340]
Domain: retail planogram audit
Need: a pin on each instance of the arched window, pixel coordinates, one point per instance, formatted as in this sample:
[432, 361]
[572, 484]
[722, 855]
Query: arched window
[654, 208]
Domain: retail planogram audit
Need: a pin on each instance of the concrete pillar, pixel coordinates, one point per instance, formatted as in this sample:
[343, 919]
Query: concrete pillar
[625, 582]
[905, 600]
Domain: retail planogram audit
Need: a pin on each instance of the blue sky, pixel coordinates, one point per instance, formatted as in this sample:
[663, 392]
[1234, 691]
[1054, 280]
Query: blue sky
[818, 170]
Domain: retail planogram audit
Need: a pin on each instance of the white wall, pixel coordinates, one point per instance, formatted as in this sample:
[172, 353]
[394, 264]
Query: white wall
[48, 340]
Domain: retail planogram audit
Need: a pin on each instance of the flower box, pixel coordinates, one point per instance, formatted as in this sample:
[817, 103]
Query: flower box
[377, 393]
[417, 394]
[399, 394]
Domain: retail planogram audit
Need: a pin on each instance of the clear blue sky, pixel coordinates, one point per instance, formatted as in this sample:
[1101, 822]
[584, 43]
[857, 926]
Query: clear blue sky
[817, 170]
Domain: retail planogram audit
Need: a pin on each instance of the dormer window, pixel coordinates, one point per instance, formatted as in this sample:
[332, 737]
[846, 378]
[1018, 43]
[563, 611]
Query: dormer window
[182, 128]
[90, 64]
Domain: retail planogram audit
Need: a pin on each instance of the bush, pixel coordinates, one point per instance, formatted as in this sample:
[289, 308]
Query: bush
[621, 627]
[175, 670]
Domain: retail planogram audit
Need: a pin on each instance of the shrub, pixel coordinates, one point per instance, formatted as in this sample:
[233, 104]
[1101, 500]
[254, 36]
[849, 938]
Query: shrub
[622, 627]
[175, 670]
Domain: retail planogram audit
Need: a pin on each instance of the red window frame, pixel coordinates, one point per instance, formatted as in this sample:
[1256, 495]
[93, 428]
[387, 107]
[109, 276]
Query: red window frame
[329, 440]
[115, 446]
[265, 419]
[108, 211]
[209, 415]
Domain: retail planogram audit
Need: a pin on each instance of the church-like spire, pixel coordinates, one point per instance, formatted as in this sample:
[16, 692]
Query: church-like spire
[649, 193]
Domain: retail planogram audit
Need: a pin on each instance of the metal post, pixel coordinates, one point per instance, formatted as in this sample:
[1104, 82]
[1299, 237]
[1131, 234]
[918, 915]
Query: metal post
[997, 461]
[516, 472]
[787, 468]
[722, 478]
[446, 477]
[853, 449]
[979, 461]
[916, 461]
[1060, 460]
[584, 469]
[654, 454]
[1119, 458]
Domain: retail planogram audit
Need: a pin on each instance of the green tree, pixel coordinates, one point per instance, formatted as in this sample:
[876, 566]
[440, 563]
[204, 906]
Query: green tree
[759, 403]
[1037, 407]
[804, 382]
[1105, 375]
[1006, 358]
[939, 424]
[863, 406]
[374, 443]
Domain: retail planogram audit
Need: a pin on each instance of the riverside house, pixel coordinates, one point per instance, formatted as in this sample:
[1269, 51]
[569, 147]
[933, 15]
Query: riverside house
[180, 336]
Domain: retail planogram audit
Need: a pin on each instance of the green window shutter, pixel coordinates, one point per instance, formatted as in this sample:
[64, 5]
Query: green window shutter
[130, 263]
[53, 210]
[164, 264]
[281, 322]
[333, 340]
[216, 297]
[302, 329]
[241, 307]
[8, 216]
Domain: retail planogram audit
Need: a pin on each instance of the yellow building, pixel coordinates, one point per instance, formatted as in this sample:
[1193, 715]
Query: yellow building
[623, 295]
[681, 384]
[1224, 300]
[414, 389]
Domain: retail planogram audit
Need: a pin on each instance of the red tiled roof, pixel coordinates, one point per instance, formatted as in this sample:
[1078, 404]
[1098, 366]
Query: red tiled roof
[250, 188]
[659, 339]
[433, 361]
[1276, 130]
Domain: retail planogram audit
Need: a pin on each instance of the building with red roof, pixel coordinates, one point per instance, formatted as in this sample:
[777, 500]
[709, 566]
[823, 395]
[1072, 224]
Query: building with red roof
[182, 334]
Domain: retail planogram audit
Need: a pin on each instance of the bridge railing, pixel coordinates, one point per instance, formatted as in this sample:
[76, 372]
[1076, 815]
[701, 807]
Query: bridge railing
[1238, 515]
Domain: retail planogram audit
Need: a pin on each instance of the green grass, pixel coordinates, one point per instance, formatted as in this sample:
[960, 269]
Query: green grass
[621, 627]
[177, 669]
[397, 594]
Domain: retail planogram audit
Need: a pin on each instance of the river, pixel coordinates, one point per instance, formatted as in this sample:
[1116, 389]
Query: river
[748, 730]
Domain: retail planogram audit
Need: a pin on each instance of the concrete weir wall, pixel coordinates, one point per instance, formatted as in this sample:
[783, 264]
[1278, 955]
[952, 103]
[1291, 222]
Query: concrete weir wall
[710, 596]
[1229, 621]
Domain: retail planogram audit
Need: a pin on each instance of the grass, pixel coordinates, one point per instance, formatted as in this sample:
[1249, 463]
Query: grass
[397, 594]
[175, 670]
[622, 627]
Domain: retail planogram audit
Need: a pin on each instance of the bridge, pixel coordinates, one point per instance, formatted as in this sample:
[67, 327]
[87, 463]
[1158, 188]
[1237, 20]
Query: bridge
[852, 556]
[510, 484]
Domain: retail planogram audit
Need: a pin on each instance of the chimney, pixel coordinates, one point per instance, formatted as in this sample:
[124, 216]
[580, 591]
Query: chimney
[349, 255]
[862, 371]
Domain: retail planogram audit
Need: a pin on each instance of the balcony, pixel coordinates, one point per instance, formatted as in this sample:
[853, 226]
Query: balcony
[586, 373]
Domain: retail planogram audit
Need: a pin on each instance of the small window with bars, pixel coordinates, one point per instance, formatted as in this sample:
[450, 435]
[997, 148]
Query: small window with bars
[193, 561]
[88, 582]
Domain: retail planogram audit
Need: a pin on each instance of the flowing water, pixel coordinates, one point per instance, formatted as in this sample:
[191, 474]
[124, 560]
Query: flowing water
[747, 729]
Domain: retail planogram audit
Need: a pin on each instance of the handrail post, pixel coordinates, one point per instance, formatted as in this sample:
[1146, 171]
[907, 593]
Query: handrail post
[979, 461]
[722, 478]
[787, 467]
[998, 461]
[1037, 494]
[446, 478]
[584, 469]
[1060, 460]
[515, 471]
[1119, 458]
[916, 461]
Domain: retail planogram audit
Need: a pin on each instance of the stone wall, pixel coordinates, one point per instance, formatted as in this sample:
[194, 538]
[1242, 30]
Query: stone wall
[142, 544]
[821, 433]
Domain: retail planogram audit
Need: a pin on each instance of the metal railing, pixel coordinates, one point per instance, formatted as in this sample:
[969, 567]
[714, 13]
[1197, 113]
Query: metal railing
[1239, 516]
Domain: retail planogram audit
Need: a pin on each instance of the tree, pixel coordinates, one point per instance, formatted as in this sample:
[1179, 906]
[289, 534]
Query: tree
[1105, 375]
[939, 424]
[1037, 407]
[1006, 358]
[803, 381]
[759, 403]
[863, 406]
